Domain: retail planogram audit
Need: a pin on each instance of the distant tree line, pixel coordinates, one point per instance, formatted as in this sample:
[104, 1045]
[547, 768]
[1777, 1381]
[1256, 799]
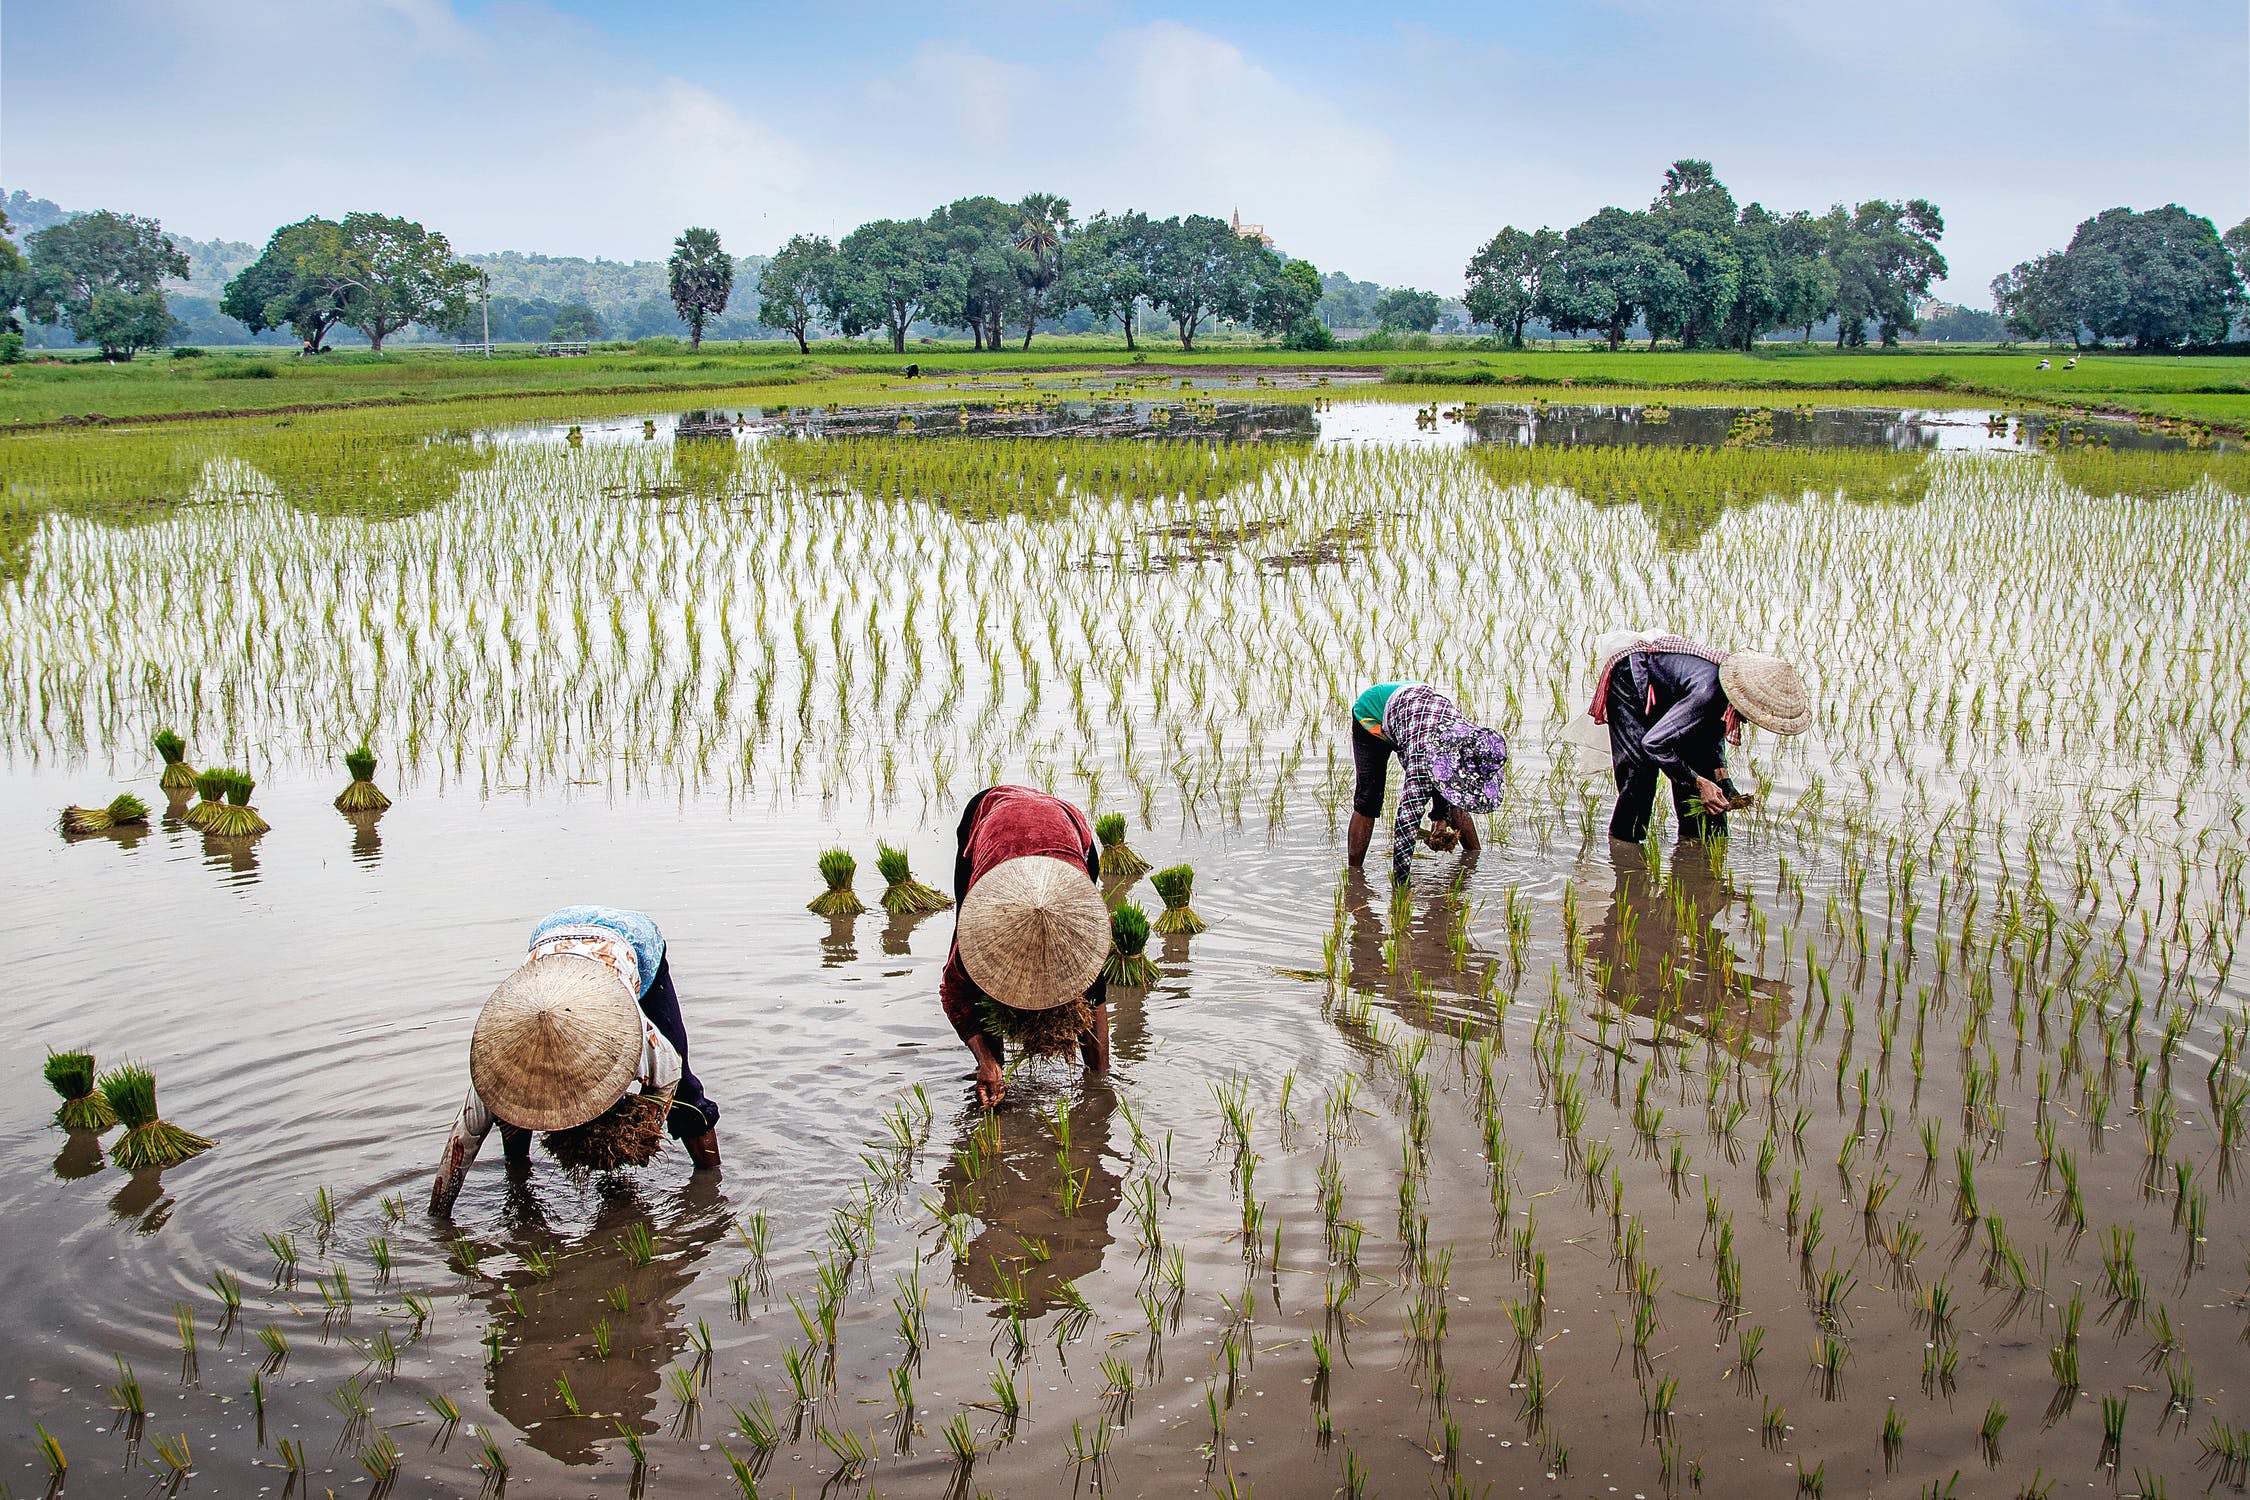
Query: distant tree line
[1693, 268]
[1697, 269]
[2162, 278]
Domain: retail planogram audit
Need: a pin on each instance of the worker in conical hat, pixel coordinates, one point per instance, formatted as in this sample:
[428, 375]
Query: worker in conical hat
[1672, 706]
[1030, 934]
[585, 1032]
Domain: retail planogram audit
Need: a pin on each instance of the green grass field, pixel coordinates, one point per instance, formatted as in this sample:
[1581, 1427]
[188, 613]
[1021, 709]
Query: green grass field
[2211, 389]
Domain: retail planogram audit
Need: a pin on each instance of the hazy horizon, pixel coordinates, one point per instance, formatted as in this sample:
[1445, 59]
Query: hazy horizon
[1387, 149]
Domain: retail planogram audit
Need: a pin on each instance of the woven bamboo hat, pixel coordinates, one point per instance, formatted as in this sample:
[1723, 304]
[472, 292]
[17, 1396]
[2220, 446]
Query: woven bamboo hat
[1033, 932]
[556, 1044]
[1767, 691]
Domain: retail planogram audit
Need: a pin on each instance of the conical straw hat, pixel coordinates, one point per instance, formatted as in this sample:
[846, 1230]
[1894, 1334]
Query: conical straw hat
[1767, 691]
[556, 1044]
[1033, 932]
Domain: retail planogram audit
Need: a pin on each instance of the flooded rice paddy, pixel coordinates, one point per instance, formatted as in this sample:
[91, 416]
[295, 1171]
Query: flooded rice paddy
[1894, 1146]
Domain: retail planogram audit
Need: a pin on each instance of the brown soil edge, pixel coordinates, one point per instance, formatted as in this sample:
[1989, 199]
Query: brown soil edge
[1952, 390]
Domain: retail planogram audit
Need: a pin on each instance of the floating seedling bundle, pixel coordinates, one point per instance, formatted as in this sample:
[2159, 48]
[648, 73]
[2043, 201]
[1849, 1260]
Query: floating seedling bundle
[237, 818]
[124, 810]
[362, 795]
[148, 1141]
[837, 867]
[84, 1107]
[1119, 862]
[179, 776]
[1176, 885]
[627, 1134]
[211, 786]
[901, 891]
[1128, 965]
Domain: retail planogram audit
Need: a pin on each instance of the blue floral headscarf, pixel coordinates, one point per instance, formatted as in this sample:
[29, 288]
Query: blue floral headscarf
[1470, 767]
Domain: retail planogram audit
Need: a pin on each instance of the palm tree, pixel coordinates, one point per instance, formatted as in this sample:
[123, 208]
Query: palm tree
[1044, 224]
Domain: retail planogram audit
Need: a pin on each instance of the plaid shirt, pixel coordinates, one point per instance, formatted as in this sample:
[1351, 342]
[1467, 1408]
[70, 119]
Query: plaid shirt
[1417, 718]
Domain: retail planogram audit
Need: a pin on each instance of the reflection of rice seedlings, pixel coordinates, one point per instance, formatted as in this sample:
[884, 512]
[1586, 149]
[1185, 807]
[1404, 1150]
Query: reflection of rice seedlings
[362, 795]
[84, 1107]
[148, 1141]
[901, 891]
[124, 811]
[179, 776]
[1176, 885]
[1119, 862]
[837, 867]
[1128, 966]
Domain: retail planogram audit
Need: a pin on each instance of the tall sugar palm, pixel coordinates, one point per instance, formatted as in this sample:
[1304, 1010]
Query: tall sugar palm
[1044, 224]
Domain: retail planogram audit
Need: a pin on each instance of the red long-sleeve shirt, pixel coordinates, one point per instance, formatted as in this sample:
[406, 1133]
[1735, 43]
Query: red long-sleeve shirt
[1003, 823]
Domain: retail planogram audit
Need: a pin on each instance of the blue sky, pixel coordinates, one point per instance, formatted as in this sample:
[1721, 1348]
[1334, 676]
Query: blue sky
[1383, 141]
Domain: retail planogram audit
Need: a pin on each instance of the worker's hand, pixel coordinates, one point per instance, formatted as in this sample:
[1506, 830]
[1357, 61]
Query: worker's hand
[1441, 837]
[992, 1085]
[1715, 801]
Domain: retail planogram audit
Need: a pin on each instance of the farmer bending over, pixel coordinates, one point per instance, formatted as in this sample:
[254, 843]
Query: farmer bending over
[563, 1042]
[1453, 767]
[1672, 707]
[1029, 936]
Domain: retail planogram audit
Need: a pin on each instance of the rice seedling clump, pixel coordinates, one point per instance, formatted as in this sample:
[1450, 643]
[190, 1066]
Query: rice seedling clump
[179, 777]
[84, 1106]
[627, 1134]
[236, 818]
[1128, 966]
[148, 1141]
[124, 811]
[1054, 1032]
[837, 867]
[1176, 885]
[362, 795]
[1119, 862]
[211, 787]
[902, 893]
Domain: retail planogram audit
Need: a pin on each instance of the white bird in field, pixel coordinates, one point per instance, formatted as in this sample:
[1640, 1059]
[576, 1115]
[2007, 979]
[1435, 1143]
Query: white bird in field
[2071, 363]
[2043, 364]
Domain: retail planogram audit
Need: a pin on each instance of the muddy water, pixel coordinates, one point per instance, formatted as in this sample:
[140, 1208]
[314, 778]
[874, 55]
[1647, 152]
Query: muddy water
[306, 999]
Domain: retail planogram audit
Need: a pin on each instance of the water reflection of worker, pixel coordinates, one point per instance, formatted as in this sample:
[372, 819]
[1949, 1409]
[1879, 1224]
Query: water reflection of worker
[1650, 946]
[1672, 707]
[1030, 931]
[562, 1040]
[548, 1322]
[1018, 1199]
[1427, 967]
[1453, 768]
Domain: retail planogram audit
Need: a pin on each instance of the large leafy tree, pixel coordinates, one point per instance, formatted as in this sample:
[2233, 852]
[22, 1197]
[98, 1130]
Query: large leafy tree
[388, 274]
[2161, 278]
[297, 282]
[980, 273]
[103, 275]
[1405, 308]
[1202, 269]
[1282, 305]
[1043, 230]
[1885, 256]
[701, 279]
[12, 268]
[1603, 277]
[1692, 282]
[2034, 300]
[888, 273]
[1108, 267]
[1804, 280]
[795, 285]
[1505, 277]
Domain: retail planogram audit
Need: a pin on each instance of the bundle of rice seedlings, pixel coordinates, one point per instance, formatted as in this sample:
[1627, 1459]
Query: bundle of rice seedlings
[362, 795]
[1119, 862]
[124, 810]
[901, 891]
[237, 819]
[147, 1141]
[1128, 964]
[84, 1107]
[1055, 1032]
[1441, 836]
[627, 1134]
[837, 867]
[211, 785]
[1175, 886]
[178, 775]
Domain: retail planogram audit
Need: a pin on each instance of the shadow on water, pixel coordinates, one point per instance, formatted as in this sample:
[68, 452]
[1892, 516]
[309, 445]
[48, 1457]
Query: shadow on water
[238, 857]
[81, 1156]
[1017, 1194]
[142, 1201]
[1660, 952]
[552, 1326]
